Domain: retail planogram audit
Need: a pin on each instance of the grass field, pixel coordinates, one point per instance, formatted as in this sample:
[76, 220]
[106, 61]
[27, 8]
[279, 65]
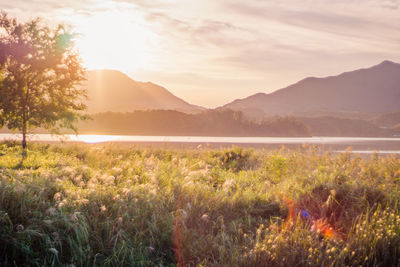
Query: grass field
[104, 205]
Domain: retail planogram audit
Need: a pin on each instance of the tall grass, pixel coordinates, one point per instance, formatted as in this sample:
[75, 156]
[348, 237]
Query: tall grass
[103, 205]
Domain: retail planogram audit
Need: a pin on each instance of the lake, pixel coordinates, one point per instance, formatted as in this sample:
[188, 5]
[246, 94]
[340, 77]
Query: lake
[335, 144]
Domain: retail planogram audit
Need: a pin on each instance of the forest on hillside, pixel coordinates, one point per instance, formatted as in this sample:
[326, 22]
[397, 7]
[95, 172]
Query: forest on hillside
[225, 122]
[209, 123]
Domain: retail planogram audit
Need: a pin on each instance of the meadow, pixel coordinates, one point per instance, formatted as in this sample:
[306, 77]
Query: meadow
[108, 205]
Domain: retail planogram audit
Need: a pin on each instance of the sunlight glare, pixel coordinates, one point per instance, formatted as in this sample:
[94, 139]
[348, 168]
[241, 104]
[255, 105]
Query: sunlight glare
[92, 138]
[115, 40]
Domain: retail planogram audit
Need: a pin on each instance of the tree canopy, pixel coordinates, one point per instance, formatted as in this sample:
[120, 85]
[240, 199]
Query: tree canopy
[39, 74]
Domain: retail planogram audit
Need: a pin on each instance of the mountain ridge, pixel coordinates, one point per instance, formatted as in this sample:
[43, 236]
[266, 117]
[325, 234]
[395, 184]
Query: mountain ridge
[385, 76]
[112, 90]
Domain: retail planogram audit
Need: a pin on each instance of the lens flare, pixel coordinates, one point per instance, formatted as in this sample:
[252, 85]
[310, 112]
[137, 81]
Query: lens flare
[64, 41]
[320, 225]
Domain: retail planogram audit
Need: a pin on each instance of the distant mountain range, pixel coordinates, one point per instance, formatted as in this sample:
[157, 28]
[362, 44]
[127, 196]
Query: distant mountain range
[371, 90]
[111, 90]
[363, 102]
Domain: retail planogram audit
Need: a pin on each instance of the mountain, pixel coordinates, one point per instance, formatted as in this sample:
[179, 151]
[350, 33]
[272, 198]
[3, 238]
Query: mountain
[111, 90]
[375, 89]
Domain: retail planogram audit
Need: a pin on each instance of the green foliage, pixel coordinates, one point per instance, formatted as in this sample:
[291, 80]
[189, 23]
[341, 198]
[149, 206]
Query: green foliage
[236, 159]
[39, 71]
[116, 206]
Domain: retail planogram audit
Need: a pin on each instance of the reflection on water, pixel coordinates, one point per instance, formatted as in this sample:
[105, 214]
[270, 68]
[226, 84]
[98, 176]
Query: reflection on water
[195, 139]
[92, 138]
[368, 151]
[391, 145]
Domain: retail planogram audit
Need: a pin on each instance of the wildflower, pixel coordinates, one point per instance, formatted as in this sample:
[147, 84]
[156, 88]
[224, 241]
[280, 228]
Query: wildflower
[150, 249]
[103, 208]
[333, 192]
[77, 179]
[204, 217]
[20, 228]
[51, 211]
[83, 201]
[183, 214]
[117, 170]
[57, 196]
[74, 216]
[61, 204]
[55, 236]
[54, 251]
[229, 185]
[48, 222]
[125, 191]
[153, 191]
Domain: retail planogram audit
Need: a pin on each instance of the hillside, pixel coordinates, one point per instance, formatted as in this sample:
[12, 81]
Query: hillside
[111, 90]
[336, 126]
[387, 120]
[375, 89]
[175, 123]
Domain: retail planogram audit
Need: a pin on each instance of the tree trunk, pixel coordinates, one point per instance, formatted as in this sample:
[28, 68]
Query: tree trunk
[24, 139]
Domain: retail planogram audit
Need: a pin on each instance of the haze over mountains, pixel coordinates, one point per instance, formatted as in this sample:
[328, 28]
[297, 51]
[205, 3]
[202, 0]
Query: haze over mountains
[371, 90]
[111, 90]
[359, 103]
[364, 102]
[375, 89]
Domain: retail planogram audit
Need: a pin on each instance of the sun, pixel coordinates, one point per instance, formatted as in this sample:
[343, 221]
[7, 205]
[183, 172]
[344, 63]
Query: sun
[115, 40]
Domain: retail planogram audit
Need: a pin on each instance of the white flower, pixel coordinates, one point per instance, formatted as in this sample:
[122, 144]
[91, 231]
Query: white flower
[204, 218]
[54, 251]
[57, 196]
[20, 228]
[51, 211]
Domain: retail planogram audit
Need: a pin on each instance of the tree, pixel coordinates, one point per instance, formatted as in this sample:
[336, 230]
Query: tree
[39, 74]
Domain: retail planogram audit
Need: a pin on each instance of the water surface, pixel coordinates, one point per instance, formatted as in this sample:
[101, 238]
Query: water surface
[335, 144]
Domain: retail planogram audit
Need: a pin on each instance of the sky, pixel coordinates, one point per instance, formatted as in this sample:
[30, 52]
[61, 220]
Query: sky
[211, 52]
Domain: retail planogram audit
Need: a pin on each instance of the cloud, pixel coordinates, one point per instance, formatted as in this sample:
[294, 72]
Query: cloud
[349, 20]
[42, 7]
[272, 42]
